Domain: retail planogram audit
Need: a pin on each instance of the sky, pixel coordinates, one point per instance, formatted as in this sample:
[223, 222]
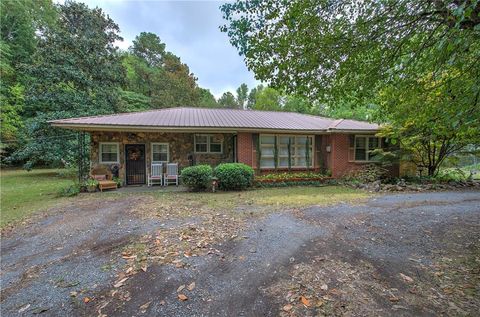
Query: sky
[190, 30]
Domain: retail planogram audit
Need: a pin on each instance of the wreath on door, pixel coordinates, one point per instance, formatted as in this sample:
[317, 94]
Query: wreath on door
[134, 154]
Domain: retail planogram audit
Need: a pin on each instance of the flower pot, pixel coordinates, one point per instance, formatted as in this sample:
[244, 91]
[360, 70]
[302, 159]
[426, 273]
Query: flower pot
[91, 188]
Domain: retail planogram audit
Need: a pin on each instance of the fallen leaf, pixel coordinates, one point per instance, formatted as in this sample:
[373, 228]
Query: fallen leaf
[144, 268]
[120, 283]
[287, 307]
[324, 287]
[406, 278]
[24, 308]
[180, 288]
[320, 303]
[182, 297]
[162, 302]
[191, 286]
[144, 307]
[304, 301]
[448, 290]
[86, 300]
[394, 299]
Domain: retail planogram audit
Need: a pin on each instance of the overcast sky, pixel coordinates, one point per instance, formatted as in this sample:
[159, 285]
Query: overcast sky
[190, 30]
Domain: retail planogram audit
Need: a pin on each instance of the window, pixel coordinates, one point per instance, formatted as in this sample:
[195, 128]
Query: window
[208, 143]
[109, 153]
[160, 153]
[298, 155]
[364, 145]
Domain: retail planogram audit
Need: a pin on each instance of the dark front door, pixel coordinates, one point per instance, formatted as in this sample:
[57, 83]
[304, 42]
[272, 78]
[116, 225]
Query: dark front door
[135, 164]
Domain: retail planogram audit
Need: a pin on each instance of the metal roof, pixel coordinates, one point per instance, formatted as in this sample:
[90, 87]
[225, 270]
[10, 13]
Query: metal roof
[207, 118]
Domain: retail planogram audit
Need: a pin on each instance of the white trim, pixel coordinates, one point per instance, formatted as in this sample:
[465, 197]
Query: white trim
[101, 152]
[208, 144]
[151, 152]
[312, 151]
[367, 149]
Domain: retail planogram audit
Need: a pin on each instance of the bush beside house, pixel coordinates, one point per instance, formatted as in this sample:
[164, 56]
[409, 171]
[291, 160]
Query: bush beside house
[234, 176]
[197, 177]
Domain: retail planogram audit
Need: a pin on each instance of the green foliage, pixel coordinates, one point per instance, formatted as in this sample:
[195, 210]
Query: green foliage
[131, 101]
[148, 47]
[234, 176]
[242, 96]
[434, 120]
[91, 182]
[227, 100]
[267, 99]
[69, 191]
[207, 100]
[119, 181]
[198, 177]
[451, 174]
[339, 50]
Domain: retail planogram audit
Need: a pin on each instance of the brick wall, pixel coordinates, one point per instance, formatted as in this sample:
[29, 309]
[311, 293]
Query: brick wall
[245, 150]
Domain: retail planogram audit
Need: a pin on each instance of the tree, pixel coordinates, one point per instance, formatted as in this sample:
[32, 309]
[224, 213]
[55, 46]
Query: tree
[268, 99]
[148, 47]
[76, 72]
[207, 100]
[242, 96]
[298, 104]
[433, 121]
[252, 96]
[227, 100]
[331, 50]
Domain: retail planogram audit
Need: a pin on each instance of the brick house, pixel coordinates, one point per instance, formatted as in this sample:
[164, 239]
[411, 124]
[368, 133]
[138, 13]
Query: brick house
[265, 140]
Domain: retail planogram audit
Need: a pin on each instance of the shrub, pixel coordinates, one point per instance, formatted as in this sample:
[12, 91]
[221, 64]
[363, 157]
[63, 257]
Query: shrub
[234, 176]
[69, 191]
[197, 177]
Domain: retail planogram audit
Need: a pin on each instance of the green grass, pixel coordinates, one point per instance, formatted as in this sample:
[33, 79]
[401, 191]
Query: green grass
[300, 196]
[23, 193]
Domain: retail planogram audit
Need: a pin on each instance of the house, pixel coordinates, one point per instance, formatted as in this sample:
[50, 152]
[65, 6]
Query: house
[265, 140]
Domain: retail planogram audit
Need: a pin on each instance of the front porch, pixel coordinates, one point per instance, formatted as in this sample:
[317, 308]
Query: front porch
[130, 154]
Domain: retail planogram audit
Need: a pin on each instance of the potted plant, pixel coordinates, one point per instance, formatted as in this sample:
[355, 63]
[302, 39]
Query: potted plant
[91, 185]
[118, 180]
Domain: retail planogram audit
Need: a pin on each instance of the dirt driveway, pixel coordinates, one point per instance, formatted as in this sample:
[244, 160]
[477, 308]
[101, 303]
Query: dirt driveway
[406, 254]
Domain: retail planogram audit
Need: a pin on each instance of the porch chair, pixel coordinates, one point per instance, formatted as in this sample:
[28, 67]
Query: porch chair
[104, 177]
[171, 174]
[156, 174]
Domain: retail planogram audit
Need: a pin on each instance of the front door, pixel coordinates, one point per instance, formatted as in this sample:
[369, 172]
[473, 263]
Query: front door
[135, 164]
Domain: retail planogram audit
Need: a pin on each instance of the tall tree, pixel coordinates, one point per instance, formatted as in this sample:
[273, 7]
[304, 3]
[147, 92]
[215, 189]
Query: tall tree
[148, 47]
[252, 96]
[268, 99]
[330, 50]
[227, 100]
[77, 72]
[207, 100]
[242, 96]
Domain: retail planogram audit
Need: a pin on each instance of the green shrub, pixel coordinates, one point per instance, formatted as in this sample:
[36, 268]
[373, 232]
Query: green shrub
[197, 177]
[69, 191]
[234, 176]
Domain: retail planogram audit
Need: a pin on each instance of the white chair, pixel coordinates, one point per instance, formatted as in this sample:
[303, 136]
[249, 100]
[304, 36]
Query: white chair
[156, 174]
[171, 174]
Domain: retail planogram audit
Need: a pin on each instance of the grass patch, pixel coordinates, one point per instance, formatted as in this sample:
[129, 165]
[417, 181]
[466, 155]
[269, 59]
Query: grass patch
[285, 196]
[23, 193]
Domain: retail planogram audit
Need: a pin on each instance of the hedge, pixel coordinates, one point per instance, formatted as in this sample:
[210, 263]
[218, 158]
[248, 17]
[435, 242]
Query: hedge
[198, 177]
[234, 176]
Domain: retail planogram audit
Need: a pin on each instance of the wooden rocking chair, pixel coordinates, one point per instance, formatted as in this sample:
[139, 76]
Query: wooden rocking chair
[104, 177]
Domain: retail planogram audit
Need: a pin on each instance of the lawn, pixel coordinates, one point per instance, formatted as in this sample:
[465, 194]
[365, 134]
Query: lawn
[23, 193]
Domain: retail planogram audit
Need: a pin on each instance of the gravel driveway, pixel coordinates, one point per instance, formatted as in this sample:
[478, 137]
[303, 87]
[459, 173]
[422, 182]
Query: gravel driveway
[406, 254]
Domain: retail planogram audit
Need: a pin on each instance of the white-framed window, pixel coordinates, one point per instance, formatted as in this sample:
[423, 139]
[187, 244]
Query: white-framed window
[109, 152]
[299, 156]
[364, 145]
[208, 143]
[160, 153]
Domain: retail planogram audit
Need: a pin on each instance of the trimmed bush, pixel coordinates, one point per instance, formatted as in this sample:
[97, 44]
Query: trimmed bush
[198, 177]
[234, 176]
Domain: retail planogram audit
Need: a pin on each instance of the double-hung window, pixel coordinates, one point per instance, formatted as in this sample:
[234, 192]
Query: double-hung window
[208, 143]
[160, 153]
[292, 151]
[109, 153]
[364, 147]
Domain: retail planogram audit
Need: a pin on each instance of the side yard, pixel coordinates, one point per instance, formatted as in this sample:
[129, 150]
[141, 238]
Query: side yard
[23, 193]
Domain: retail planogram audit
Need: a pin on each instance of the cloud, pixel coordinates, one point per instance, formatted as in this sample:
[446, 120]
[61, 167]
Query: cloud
[190, 30]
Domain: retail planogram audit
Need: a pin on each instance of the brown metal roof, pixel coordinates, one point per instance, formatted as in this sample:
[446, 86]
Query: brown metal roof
[215, 118]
